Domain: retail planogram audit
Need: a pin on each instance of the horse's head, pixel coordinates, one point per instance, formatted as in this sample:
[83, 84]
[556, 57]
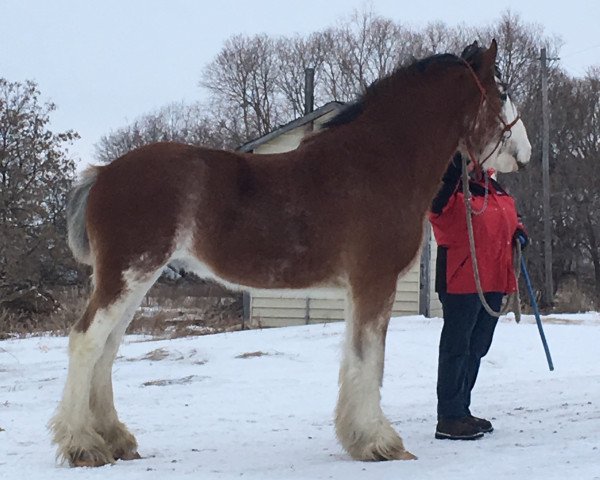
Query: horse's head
[498, 137]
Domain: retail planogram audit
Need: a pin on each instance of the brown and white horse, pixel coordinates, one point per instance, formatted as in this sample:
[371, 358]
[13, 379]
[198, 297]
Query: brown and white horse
[346, 209]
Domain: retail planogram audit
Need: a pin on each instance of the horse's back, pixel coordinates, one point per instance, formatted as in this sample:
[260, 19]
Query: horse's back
[248, 219]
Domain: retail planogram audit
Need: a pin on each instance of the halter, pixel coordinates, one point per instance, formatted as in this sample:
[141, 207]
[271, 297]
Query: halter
[506, 129]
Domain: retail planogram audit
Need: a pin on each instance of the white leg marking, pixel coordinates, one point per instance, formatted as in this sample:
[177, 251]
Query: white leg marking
[75, 425]
[361, 425]
[72, 424]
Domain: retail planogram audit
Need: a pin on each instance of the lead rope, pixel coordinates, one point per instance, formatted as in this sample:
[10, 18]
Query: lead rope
[513, 300]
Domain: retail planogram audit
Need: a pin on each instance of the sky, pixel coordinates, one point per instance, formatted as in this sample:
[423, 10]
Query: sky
[200, 412]
[105, 63]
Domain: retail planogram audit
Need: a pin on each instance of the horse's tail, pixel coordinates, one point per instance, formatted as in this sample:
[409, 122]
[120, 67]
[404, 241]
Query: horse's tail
[76, 208]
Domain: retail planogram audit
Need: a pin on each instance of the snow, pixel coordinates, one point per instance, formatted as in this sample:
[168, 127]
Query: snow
[202, 409]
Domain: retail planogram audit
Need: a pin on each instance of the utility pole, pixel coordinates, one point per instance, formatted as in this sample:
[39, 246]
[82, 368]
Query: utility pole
[548, 284]
[425, 274]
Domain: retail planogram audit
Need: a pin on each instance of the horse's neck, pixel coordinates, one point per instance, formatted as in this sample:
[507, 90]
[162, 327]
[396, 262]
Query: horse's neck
[415, 135]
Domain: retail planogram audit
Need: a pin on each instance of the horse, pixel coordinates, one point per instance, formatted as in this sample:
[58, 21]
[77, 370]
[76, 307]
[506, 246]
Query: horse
[346, 209]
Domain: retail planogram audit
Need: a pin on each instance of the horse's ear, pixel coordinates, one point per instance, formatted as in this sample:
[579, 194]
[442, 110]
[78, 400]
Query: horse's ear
[470, 51]
[488, 58]
[493, 50]
[483, 61]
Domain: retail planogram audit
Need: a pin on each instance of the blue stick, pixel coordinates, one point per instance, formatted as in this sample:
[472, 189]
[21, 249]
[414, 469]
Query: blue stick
[536, 311]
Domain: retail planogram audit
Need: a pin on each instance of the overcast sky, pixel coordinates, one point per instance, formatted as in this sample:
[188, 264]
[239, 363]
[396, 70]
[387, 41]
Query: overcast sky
[106, 62]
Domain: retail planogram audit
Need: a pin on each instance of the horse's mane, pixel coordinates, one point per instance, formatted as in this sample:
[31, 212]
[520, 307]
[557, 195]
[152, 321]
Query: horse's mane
[353, 110]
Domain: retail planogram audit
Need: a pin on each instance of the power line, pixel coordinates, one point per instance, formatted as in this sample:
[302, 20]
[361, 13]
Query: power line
[587, 49]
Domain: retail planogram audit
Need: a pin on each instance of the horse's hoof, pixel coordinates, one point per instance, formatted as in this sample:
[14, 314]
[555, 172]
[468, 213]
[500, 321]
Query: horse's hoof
[380, 451]
[406, 455]
[134, 455]
[87, 462]
[89, 459]
[381, 455]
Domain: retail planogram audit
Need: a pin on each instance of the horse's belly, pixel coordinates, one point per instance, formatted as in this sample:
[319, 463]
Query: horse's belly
[262, 274]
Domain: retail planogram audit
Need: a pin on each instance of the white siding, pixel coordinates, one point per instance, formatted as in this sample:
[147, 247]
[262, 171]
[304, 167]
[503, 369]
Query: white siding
[318, 123]
[284, 142]
[269, 310]
[435, 307]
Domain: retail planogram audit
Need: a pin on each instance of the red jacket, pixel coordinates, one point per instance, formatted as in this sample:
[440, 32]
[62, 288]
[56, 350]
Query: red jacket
[493, 230]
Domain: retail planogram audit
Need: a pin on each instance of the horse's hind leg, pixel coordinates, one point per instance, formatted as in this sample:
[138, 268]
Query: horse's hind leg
[361, 426]
[74, 424]
[121, 443]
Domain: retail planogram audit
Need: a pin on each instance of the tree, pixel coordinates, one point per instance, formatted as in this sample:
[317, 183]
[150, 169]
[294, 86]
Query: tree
[361, 50]
[176, 122]
[437, 37]
[576, 134]
[36, 172]
[242, 81]
[518, 62]
[519, 45]
[294, 55]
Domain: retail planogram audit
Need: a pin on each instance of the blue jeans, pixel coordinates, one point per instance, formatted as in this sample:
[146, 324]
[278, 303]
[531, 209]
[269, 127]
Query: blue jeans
[466, 338]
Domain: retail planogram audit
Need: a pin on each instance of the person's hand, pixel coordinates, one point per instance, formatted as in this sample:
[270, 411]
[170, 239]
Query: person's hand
[521, 237]
[454, 170]
[457, 161]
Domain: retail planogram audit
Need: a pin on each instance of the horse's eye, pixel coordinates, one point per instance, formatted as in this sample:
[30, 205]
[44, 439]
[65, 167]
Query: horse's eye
[504, 96]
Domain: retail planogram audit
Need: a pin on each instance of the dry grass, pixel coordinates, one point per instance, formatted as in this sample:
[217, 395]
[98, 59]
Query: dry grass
[155, 355]
[256, 354]
[173, 311]
[18, 324]
[178, 311]
[168, 311]
[575, 295]
[251, 354]
[170, 381]
[207, 317]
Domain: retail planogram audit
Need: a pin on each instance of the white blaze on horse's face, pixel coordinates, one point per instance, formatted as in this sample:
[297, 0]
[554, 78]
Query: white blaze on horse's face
[514, 150]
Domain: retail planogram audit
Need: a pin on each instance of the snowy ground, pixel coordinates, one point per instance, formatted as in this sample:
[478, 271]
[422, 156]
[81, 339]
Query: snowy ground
[200, 412]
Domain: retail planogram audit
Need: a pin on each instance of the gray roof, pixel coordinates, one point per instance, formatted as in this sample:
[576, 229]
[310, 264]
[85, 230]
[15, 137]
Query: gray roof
[311, 117]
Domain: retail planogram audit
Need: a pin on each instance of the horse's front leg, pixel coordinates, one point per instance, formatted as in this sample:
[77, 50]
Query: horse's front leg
[361, 426]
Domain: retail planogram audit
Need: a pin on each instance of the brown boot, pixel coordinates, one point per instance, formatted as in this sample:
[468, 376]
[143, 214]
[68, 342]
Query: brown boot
[457, 429]
[484, 425]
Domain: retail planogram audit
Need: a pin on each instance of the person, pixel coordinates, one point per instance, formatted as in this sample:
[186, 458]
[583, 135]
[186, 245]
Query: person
[468, 329]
